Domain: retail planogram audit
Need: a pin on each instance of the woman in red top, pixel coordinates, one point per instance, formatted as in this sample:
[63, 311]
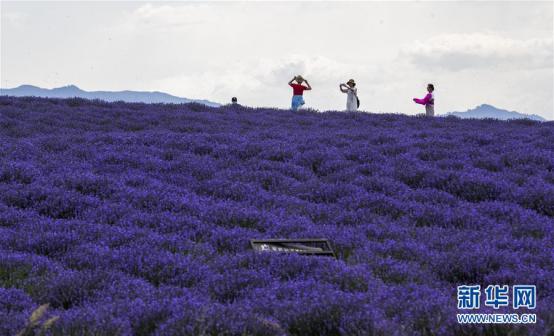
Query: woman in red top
[297, 91]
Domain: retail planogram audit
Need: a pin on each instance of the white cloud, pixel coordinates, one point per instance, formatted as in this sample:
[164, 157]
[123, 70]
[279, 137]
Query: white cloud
[13, 19]
[272, 71]
[480, 50]
[261, 82]
[168, 18]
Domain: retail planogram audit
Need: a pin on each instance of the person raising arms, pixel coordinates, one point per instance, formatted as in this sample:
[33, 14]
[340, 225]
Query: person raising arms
[297, 91]
[351, 95]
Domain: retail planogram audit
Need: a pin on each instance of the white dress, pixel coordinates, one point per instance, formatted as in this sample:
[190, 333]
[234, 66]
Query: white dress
[351, 101]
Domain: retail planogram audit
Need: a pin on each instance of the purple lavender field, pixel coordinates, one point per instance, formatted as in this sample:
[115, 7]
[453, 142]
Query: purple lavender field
[135, 219]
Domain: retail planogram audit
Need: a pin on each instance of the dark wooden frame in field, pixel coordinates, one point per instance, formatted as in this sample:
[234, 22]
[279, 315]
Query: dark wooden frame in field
[301, 246]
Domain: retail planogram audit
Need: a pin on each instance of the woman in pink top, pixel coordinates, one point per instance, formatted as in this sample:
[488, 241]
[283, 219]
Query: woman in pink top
[428, 101]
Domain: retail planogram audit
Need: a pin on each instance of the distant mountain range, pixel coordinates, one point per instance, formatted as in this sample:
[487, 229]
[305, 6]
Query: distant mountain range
[489, 111]
[71, 91]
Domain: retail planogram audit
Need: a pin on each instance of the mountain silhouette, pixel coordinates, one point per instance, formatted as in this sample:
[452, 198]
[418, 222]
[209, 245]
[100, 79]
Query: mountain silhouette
[489, 111]
[71, 91]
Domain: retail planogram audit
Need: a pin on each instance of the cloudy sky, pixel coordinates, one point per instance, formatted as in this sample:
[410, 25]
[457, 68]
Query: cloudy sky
[500, 53]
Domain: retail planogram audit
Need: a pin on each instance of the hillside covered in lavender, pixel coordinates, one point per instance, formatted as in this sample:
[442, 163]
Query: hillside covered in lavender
[135, 219]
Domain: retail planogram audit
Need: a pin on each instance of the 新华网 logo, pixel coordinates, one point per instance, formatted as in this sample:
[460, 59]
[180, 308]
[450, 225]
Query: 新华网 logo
[496, 296]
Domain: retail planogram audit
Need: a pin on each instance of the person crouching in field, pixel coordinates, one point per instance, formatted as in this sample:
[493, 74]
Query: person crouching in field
[297, 91]
[351, 95]
[428, 101]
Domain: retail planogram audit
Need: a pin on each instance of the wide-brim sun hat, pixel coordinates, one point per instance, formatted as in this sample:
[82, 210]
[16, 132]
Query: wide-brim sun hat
[299, 78]
[351, 81]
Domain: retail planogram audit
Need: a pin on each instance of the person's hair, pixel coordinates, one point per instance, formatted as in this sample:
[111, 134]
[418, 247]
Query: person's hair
[431, 86]
[234, 99]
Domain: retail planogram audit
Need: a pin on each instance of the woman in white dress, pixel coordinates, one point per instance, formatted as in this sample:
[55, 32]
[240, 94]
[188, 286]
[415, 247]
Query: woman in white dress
[351, 95]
